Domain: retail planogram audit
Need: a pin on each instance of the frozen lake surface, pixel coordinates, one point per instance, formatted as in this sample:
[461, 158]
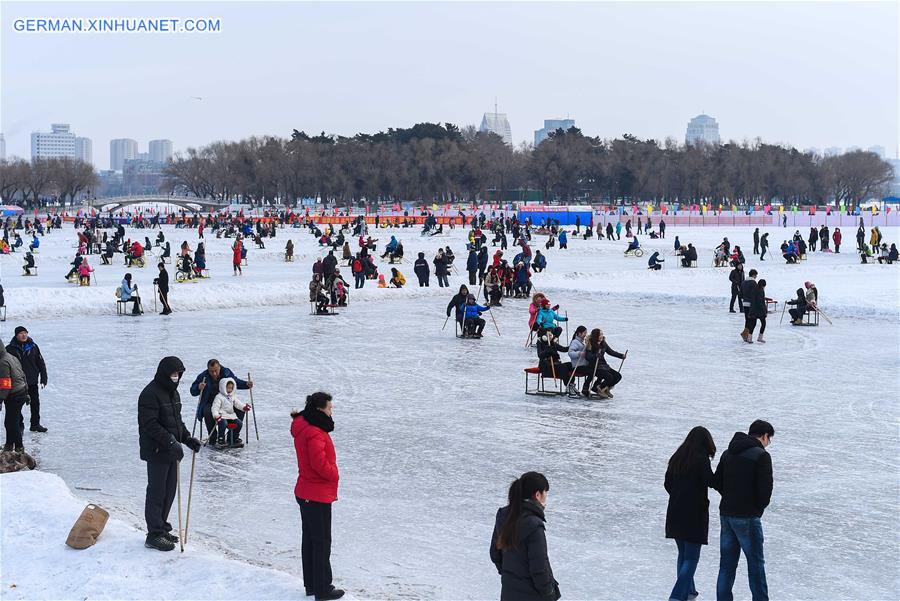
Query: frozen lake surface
[430, 430]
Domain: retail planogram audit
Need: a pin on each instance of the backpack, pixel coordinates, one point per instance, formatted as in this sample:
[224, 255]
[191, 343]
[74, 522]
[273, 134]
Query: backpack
[119, 292]
[357, 266]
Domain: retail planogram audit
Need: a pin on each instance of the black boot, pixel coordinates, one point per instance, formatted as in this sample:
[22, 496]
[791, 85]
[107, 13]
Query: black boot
[159, 542]
[170, 537]
[334, 593]
[38, 428]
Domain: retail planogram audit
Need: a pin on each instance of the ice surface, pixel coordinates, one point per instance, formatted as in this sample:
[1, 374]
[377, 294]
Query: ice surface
[431, 429]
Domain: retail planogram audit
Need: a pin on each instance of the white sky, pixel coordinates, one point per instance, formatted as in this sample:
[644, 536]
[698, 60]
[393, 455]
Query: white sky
[807, 74]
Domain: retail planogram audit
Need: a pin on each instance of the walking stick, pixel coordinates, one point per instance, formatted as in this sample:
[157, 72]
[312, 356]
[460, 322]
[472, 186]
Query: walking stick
[494, 319]
[187, 521]
[178, 483]
[567, 324]
[623, 361]
[445, 323]
[154, 298]
[528, 340]
[572, 377]
[783, 307]
[253, 409]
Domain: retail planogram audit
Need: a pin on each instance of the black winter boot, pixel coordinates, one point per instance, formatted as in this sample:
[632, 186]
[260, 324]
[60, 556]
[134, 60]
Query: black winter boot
[159, 542]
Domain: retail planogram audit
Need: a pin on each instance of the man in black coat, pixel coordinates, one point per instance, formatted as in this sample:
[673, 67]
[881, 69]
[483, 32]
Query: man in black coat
[23, 348]
[420, 267]
[162, 283]
[736, 277]
[458, 299]
[161, 434]
[748, 290]
[744, 479]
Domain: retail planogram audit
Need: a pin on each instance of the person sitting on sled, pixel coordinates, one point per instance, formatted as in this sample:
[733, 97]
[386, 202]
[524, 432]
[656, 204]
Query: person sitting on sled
[473, 324]
[223, 412]
[548, 349]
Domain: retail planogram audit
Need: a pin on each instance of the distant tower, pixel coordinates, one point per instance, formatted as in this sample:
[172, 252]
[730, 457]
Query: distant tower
[160, 150]
[550, 126]
[84, 150]
[120, 150]
[497, 123]
[702, 128]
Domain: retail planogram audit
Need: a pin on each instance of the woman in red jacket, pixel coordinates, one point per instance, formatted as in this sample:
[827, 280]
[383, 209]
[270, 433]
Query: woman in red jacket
[316, 490]
[236, 256]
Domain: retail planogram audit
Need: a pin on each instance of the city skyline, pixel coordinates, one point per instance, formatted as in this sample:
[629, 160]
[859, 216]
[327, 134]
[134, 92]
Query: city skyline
[755, 89]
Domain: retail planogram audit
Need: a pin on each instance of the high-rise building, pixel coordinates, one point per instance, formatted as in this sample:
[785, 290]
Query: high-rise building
[121, 150]
[702, 128]
[161, 150]
[551, 125]
[877, 149]
[59, 142]
[142, 176]
[2, 148]
[497, 123]
[84, 150]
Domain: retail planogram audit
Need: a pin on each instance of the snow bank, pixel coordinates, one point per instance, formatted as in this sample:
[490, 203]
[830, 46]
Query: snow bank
[38, 510]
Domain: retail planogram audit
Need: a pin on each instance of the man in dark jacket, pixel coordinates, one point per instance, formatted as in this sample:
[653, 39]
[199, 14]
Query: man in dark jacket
[206, 386]
[458, 299]
[747, 292]
[162, 283]
[420, 267]
[744, 479]
[162, 433]
[23, 348]
[736, 277]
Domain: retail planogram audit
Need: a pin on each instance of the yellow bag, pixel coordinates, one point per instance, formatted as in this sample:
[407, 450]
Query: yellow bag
[88, 527]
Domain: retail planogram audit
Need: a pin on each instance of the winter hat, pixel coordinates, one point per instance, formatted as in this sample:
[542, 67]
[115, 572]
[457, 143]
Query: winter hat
[21, 329]
[807, 284]
[545, 302]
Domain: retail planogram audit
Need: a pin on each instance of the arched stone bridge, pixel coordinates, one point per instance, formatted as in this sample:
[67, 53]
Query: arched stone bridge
[115, 203]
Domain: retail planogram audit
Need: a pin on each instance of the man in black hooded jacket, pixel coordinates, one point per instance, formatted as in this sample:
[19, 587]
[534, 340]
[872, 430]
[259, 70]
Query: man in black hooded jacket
[161, 434]
[744, 479]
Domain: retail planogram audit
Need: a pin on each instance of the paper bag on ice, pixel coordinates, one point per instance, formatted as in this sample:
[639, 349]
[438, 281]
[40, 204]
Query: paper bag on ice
[88, 527]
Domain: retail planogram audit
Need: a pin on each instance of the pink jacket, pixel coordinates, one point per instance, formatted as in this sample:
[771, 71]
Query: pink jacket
[532, 314]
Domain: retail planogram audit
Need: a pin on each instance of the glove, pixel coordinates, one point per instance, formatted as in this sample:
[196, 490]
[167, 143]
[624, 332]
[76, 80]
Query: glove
[27, 400]
[193, 444]
[176, 449]
[246, 408]
[556, 307]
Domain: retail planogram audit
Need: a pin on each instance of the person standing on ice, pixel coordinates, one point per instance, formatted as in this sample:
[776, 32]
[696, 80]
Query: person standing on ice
[206, 385]
[744, 479]
[688, 479]
[736, 277]
[756, 241]
[161, 434]
[162, 285]
[519, 542]
[472, 266]
[315, 491]
[420, 268]
[14, 395]
[236, 251]
[748, 291]
[23, 348]
[441, 268]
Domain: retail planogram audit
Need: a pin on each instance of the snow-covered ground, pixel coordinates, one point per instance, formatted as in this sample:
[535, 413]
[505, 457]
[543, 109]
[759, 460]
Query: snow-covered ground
[431, 429]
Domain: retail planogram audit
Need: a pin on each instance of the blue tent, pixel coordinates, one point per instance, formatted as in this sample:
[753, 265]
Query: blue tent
[891, 200]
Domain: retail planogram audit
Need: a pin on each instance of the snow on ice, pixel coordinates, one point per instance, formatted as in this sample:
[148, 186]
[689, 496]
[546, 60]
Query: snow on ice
[430, 430]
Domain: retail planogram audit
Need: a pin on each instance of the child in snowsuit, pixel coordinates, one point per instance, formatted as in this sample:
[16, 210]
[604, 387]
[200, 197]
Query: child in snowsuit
[471, 311]
[223, 411]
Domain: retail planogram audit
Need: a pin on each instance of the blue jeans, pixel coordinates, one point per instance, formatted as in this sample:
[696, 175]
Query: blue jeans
[741, 534]
[688, 558]
[230, 435]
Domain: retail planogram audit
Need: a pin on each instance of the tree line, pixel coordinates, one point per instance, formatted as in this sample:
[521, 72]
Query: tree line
[434, 163]
[28, 183]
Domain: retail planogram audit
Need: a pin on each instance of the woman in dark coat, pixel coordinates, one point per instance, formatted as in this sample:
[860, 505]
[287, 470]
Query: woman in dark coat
[758, 307]
[687, 517]
[519, 543]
